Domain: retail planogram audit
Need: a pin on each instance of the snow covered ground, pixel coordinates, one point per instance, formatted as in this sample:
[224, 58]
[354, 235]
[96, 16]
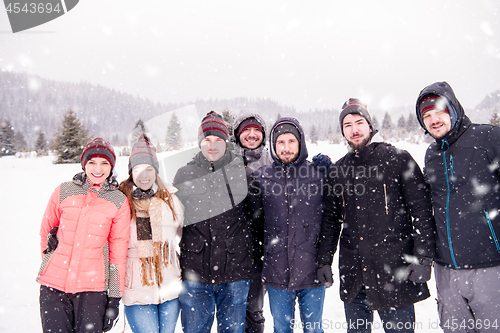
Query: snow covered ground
[26, 184]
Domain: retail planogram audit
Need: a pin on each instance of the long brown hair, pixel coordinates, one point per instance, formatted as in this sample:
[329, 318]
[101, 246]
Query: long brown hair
[127, 187]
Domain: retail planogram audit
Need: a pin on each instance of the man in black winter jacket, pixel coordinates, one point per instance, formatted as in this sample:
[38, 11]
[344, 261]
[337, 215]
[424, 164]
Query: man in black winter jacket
[379, 194]
[462, 168]
[216, 244]
[291, 189]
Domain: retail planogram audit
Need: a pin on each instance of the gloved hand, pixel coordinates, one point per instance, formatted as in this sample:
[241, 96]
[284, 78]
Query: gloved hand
[325, 275]
[112, 312]
[321, 161]
[420, 272]
[52, 240]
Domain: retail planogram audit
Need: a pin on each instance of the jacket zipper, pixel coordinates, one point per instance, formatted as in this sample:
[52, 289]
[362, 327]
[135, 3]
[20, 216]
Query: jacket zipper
[385, 196]
[451, 171]
[491, 229]
[448, 229]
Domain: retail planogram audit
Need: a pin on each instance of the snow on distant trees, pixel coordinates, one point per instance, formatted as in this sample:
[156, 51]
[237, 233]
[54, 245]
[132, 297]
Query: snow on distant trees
[173, 138]
[7, 138]
[70, 139]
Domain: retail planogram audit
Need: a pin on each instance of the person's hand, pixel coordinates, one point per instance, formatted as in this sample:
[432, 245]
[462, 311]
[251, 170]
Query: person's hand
[420, 272]
[325, 275]
[321, 161]
[52, 240]
[112, 312]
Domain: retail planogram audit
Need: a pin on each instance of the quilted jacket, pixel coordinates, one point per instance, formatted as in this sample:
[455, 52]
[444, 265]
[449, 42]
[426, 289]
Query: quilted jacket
[93, 234]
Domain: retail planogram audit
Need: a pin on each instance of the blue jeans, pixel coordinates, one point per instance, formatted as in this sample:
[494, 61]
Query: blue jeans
[199, 302]
[359, 317]
[153, 318]
[282, 303]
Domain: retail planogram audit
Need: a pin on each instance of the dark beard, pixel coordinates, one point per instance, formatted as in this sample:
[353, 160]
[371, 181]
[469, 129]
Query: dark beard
[359, 145]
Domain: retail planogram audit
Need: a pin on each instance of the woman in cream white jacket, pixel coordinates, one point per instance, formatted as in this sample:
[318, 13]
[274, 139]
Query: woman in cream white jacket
[153, 278]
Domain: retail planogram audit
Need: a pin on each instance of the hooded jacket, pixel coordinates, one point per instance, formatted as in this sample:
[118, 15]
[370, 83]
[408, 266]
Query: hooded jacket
[463, 171]
[292, 200]
[259, 156]
[216, 241]
[380, 195]
[94, 230]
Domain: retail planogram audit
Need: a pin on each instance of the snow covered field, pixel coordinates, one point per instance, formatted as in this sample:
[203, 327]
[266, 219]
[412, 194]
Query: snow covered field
[26, 185]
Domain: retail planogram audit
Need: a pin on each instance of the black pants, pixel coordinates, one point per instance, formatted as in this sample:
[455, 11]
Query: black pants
[254, 321]
[72, 313]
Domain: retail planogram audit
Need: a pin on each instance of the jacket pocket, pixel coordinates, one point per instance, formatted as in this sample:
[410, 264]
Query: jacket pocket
[492, 230]
[192, 253]
[238, 256]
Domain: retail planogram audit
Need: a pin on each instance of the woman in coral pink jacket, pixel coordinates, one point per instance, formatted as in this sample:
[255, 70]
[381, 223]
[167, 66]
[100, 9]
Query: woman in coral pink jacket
[84, 239]
[153, 279]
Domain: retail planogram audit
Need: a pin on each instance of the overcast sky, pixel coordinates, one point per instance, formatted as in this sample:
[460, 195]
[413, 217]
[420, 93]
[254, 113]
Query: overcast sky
[313, 54]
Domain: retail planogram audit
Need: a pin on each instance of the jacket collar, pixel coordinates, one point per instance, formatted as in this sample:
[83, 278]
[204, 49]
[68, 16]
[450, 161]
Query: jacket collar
[202, 161]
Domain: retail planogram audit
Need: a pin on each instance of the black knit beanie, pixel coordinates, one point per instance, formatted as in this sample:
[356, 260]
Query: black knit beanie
[354, 106]
[286, 128]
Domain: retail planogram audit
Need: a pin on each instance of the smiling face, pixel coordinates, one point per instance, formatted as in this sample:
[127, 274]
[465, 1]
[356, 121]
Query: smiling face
[357, 131]
[287, 148]
[97, 169]
[144, 176]
[437, 123]
[251, 137]
[213, 147]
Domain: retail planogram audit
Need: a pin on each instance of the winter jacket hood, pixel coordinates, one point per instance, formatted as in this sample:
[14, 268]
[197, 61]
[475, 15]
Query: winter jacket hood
[463, 173]
[292, 201]
[462, 122]
[259, 156]
[302, 141]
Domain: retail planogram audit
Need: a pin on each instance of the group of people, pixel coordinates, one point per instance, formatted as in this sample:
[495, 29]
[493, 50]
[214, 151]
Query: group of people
[261, 218]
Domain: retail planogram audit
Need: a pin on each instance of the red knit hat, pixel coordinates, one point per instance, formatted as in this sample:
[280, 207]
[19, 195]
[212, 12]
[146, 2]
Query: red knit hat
[98, 148]
[432, 102]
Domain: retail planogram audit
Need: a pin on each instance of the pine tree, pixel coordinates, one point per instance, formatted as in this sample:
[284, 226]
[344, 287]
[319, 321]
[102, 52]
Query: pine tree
[412, 122]
[139, 128]
[19, 142]
[70, 139]
[495, 118]
[387, 122]
[7, 139]
[402, 123]
[174, 139]
[228, 118]
[41, 144]
[314, 134]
